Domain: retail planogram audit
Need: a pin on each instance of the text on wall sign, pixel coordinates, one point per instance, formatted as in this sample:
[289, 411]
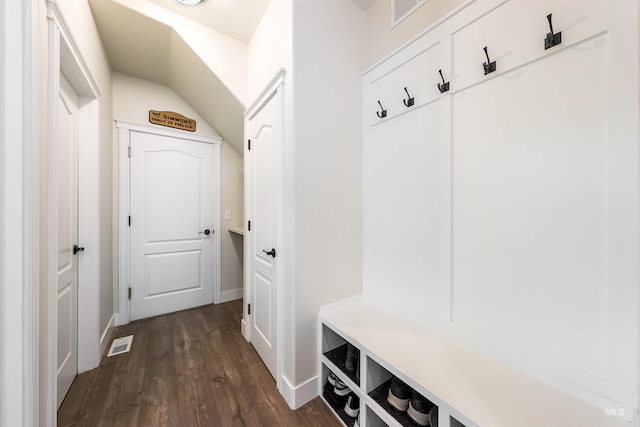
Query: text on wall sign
[172, 120]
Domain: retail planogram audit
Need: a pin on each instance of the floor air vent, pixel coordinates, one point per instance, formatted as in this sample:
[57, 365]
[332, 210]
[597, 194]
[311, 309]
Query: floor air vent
[400, 9]
[120, 345]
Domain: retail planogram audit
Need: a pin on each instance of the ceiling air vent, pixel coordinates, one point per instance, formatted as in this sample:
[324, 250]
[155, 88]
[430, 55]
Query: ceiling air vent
[400, 9]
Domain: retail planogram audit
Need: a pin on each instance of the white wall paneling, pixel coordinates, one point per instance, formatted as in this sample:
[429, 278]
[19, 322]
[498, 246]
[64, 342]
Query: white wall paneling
[407, 186]
[505, 211]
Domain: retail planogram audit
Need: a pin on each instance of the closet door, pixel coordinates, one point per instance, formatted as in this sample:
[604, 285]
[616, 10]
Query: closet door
[406, 223]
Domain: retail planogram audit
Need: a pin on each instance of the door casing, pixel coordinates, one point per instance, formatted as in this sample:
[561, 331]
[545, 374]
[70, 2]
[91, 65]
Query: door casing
[64, 58]
[124, 237]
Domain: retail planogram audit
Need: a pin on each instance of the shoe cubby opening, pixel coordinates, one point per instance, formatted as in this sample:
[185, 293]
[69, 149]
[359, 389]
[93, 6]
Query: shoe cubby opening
[341, 353]
[407, 407]
[339, 400]
[454, 423]
[376, 375]
[373, 420]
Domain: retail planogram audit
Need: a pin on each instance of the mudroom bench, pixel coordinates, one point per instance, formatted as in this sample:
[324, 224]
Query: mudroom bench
[469, 388]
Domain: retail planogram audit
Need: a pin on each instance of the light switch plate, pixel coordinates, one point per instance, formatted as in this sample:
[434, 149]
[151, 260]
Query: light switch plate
[227, 214]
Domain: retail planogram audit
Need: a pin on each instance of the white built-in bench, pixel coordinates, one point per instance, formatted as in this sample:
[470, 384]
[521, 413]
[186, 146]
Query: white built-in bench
[473, 389]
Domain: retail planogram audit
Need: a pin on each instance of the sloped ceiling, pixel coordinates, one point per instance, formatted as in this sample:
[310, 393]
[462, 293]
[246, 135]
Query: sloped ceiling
[364, 4]
[205, 67]
[235, 18]
[198, 51]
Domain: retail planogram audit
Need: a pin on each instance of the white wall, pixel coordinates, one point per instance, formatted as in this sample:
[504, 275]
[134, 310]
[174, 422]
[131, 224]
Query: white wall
[328, 47]
[134, 97]
[383, 40]
[270, 48]
[132, 100]
[232, 199]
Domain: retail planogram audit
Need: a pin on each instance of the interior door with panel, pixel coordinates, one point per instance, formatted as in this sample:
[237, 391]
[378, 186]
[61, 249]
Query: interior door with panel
[262, 236]
[67, 266]
[171, 224]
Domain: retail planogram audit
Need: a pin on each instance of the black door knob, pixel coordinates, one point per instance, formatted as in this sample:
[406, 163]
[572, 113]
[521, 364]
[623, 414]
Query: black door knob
[207, 232]
[77, 249]
[272, 252]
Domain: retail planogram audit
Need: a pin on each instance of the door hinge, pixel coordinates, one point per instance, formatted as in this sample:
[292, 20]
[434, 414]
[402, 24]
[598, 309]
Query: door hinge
[129, 220]
[249, 144]
[248, 308]
[249, 225]
[129, 151]
[129, 293]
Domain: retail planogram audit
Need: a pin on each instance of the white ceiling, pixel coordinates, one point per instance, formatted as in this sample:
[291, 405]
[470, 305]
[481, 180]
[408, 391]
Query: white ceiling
[235, 18]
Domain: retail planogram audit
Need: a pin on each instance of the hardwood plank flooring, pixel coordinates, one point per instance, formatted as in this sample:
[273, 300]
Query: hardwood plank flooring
[188, 369]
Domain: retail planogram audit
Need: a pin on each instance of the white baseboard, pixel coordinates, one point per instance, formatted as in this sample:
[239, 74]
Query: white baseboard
[106, 335]
[119, 319]
[243, 329]
[232, 295]
[299, 395]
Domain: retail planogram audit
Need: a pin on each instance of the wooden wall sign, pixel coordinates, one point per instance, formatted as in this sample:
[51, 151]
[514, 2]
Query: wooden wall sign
[172, 120]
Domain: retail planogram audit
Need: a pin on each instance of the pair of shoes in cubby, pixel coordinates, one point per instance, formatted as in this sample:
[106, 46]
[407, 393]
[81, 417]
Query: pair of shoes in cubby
[352, 407]
[338, 392]
[403, 398]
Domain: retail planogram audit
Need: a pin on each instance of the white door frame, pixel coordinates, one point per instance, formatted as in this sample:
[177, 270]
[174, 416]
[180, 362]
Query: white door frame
[124, 235]
[64, 58]
[274, 89]
[19, 213]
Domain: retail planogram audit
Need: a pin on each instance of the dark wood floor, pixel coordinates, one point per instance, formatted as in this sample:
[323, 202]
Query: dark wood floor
[191, 368]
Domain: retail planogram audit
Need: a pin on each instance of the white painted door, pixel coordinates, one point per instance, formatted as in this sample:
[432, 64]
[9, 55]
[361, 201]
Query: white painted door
[263, 233]
[67, 276]
[172, 218]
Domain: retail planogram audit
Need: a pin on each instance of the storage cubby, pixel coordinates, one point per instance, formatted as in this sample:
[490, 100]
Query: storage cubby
[337, 404]
[376, 375]
[379, 395]
[335, 349]
[373, 420]
[325, 374]
[378, 385]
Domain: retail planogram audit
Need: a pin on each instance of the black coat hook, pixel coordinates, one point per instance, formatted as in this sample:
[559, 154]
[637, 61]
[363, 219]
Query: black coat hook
[382, 114]
[408, 102]
[444, 86]
[489, 67]
[552, 39]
